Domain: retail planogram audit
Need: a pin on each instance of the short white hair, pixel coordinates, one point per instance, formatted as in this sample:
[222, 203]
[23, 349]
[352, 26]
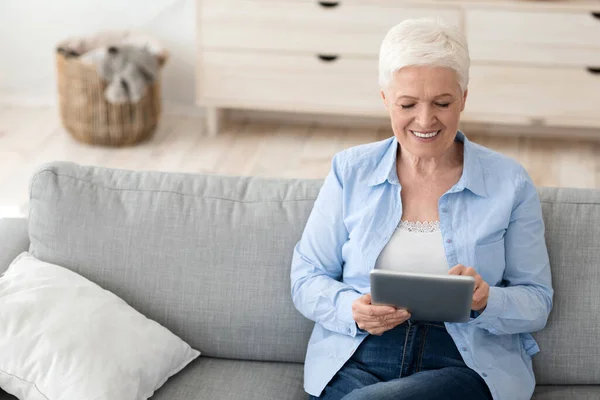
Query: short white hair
[424, 41]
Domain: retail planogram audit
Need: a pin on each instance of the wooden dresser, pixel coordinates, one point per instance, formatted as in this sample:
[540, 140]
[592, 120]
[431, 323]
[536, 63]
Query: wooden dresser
[533, 62]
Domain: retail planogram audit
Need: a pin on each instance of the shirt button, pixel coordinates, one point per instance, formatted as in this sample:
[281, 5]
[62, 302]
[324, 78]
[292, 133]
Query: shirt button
[464, 349]
[444, 210]
[449, 241]
[484, 375]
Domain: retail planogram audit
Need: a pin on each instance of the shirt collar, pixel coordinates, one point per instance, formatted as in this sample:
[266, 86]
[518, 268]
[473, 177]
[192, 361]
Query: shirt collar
[472, 177]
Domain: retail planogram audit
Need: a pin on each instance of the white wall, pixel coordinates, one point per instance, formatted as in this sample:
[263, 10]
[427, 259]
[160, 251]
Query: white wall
[30, 29]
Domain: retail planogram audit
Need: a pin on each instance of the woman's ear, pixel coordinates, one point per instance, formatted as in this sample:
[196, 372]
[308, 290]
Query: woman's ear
[384, 98]
[464, 99]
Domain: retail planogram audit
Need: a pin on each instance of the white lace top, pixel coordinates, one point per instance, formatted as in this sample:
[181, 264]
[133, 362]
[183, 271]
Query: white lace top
[415, 247]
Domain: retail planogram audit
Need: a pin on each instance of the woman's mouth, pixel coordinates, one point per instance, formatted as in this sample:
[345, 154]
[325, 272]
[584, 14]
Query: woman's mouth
[425, 134]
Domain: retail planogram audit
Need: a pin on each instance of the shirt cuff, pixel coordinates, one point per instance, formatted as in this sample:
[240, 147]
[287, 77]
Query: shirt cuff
[344, 314]
[494, 309]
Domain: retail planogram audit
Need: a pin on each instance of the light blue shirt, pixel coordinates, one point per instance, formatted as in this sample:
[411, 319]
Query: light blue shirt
[491, 220]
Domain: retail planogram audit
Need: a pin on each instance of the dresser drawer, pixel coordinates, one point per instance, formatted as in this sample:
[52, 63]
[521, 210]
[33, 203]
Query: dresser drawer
[306, 26]
[289, 82]
[556, 96]
[556, 38]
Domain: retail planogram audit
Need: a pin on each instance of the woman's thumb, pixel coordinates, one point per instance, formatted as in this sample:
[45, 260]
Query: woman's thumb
[367, 298]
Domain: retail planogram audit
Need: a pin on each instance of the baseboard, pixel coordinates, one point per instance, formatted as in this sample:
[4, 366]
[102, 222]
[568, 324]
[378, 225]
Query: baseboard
[189, 110]
[473, 128]
[307, 118]
[538, 131]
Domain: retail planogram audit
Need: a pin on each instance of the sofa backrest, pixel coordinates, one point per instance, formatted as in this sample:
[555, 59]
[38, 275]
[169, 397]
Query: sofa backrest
[570, 343]
[209, 258]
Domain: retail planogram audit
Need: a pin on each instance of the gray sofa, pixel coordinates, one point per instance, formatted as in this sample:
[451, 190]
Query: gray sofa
[208, 257]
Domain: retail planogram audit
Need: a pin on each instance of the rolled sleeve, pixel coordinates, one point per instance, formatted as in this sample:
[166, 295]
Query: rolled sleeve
[345, 312]
[493, 311]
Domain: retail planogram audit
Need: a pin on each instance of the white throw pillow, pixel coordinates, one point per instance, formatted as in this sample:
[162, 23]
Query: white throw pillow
[64, 337]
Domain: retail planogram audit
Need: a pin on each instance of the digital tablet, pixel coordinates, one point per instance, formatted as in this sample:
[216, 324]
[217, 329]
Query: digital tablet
[428, 297]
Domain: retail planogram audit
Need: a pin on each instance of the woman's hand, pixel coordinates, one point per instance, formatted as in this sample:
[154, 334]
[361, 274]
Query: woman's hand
[376, 319]
[481, 293]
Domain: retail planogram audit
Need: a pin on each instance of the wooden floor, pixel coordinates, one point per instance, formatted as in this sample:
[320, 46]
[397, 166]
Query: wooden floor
[31, 136]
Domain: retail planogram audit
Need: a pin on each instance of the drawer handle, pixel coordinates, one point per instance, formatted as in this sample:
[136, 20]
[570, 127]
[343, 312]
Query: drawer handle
[329, 4]
[594, 70]
[327, 57]
[596, 15]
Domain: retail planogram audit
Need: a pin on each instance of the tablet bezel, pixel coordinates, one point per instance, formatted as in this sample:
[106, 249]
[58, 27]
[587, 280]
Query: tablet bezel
[451, 301]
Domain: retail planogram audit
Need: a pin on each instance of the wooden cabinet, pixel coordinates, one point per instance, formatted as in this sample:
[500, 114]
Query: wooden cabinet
[290, 82]
[532, 61]
[519, 94]
[316, 27]
[535, 37]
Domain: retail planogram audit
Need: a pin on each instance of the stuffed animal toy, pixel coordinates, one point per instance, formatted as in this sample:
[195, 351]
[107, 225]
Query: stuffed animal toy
[127, 61]
[128, 69]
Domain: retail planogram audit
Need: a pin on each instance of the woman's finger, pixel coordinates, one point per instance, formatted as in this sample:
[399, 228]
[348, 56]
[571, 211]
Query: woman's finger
[482, 292]
[379, 328]
[363, 306]
[456, 270]
[373, 325]
[375, 311]
[373, 322]
[478, 295]
[385, 321]
[481, 296]
[478, 281]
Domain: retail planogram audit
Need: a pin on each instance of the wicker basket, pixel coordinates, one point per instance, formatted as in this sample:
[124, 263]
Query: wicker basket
[90, 118]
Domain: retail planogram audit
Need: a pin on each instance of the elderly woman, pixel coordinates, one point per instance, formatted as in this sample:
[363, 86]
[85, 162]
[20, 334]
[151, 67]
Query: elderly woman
[429, 200]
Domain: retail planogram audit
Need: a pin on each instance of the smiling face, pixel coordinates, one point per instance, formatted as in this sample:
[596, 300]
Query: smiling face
[424, 104]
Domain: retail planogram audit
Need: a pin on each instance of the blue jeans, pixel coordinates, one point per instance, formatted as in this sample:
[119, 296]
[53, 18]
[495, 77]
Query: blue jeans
[415, 360]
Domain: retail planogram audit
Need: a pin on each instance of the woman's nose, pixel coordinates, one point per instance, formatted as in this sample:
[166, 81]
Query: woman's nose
[426, 117]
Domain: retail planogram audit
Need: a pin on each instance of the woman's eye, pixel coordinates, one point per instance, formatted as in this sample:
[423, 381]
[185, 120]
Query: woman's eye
[443, 105]
[407, 106]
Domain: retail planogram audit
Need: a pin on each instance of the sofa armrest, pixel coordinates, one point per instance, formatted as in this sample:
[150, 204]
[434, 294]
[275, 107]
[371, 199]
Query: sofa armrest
[14, 239]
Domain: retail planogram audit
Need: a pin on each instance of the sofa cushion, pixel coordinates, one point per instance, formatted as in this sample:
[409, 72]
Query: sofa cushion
[590, 392]
[570, 343]
[207, 257]
[220, 379]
